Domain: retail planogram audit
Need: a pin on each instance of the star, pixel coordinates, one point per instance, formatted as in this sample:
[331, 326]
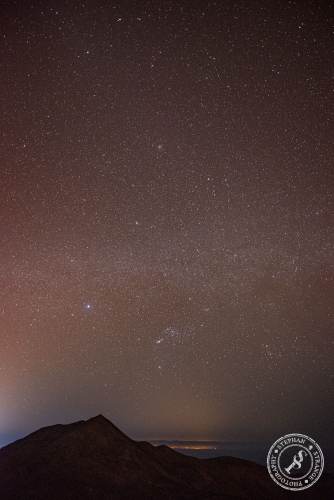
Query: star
[167, 204]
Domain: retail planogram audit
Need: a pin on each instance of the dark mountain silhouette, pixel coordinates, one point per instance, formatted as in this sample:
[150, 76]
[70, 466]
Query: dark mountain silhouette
[95, 460]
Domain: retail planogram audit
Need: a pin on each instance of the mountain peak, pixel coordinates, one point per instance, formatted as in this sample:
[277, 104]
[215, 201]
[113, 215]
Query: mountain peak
[102, 426]
[94, 459]
[100, 419]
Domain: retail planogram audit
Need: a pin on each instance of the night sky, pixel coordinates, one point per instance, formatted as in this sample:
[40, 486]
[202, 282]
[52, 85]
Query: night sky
[166, 236]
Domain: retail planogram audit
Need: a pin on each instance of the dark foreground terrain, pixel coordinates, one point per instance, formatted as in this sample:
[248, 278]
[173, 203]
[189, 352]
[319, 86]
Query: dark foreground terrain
[95, 460]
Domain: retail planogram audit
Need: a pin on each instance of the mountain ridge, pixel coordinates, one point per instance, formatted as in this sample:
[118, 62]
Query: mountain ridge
[93, 459]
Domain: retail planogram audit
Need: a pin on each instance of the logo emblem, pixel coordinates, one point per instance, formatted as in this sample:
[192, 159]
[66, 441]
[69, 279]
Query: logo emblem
[295, 462]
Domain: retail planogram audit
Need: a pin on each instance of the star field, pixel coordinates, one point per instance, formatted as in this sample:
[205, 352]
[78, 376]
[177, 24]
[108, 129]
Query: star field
[166, 217]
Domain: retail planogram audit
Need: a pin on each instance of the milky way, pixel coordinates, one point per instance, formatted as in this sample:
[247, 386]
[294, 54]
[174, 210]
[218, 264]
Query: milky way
[166, 193]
